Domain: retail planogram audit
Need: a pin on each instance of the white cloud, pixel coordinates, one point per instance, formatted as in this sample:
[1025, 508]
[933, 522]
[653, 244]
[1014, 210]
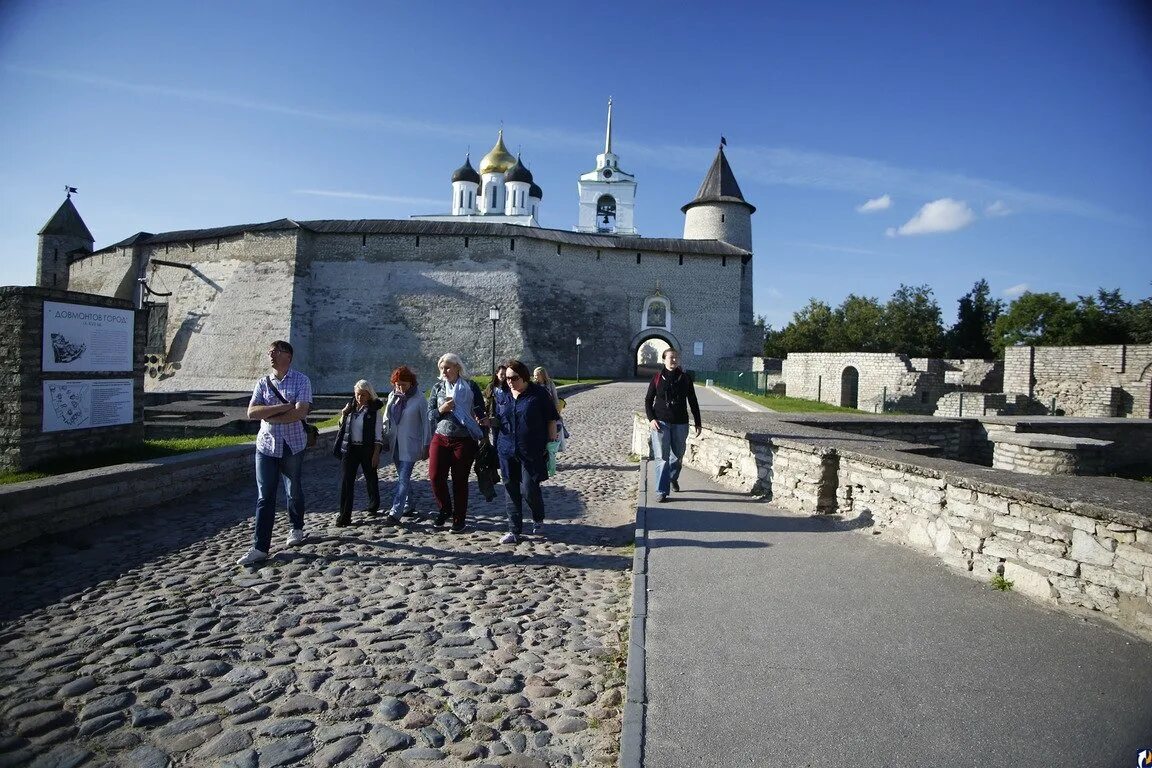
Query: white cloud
[834, 248]
[1015, 290]
[998, 208]
[882, 203]
[943, 215]
[366, 196]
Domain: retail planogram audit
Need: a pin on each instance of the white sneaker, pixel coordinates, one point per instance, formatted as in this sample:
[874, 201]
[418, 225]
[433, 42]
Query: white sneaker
[252, 556]
[538, 528]
[296, 537]
[508, 538]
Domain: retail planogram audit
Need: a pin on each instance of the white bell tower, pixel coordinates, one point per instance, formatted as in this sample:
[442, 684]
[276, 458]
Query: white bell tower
[607, 194]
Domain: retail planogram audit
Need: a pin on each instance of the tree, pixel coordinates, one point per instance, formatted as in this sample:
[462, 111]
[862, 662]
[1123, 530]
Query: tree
[810, 328]
[859, 326]
[1038, 319]
[1138, 321]
[912, 320]
[1104, 318]
[973, 333]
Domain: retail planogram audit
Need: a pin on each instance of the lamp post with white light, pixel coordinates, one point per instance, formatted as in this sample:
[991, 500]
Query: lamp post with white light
[577, 359]
[494, 316]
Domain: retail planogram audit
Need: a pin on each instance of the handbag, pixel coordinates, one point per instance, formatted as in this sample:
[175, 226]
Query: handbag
[311, 431]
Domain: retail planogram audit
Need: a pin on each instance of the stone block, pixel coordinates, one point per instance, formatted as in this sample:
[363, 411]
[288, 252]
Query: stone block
[1074, 521]
[1056, 532]
[1089, 549]
[1045, 547]
[1029, 582]
[1000, 549]
[1134, 554]
[918, 536]
[1049, 563]
[985, 565]
[1011, 523]
[968, 541]
[1109, 577]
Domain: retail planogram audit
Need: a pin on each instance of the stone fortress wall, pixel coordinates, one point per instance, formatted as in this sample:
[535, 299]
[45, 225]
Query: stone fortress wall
[355, 305]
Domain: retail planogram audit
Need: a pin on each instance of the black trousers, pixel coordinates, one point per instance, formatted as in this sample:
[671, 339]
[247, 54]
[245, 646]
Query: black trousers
[358, 457]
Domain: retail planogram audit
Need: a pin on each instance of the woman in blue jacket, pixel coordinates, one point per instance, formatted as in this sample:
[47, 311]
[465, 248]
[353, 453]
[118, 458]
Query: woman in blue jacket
[527, 423]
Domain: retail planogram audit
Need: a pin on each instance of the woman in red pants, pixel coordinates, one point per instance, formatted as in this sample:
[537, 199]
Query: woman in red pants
[456, 409]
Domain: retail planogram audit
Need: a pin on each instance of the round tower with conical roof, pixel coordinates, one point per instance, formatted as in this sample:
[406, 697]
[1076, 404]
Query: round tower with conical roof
[719, 211]
[492, 169]
[465, 183]
[61, 239]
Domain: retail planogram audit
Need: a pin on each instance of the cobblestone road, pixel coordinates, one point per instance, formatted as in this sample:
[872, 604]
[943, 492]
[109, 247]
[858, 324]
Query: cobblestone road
[140, 642]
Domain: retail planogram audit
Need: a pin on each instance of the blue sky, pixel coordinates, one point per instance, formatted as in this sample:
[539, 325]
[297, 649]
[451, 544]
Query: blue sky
[882, 143]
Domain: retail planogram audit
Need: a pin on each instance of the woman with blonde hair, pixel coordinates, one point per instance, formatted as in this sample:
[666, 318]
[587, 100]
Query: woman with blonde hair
[455, 412]
[408, 434]
[541, 377]
[359, 444]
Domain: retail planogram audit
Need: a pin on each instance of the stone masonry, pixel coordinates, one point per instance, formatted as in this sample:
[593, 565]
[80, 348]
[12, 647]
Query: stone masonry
[1106, 380]
[357, 303]
[22, 443]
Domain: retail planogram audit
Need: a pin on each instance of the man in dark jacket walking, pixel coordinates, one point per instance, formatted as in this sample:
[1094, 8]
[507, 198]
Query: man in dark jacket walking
[670, 395]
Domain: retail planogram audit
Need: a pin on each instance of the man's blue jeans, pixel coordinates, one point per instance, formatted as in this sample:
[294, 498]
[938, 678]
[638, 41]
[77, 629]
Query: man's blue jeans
[270, 469]
[403, 486]
[668, 454]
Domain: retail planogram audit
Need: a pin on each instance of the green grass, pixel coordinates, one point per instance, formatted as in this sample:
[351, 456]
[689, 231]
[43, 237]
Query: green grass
[1001, 583]
[786, 404]
[149, 449]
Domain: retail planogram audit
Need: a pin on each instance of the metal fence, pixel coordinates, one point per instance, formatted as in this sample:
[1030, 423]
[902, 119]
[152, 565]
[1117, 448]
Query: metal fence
[755, 382]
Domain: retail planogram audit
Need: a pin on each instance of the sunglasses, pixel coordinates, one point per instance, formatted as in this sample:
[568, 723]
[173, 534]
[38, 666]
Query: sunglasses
[513, 377]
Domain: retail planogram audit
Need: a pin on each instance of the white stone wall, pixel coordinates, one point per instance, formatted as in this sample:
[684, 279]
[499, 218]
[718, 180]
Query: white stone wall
[104, 274]
[884, 377]
[1094, 381]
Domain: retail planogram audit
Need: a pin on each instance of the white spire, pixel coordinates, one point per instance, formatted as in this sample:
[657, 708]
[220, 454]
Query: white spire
[608, 133]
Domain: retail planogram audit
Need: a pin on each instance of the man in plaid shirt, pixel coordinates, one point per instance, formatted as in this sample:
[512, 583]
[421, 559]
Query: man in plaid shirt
[281, 402]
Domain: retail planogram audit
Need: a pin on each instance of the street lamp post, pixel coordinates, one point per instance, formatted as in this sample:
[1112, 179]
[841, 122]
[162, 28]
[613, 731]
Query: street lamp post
[494, 316]
[577, 359]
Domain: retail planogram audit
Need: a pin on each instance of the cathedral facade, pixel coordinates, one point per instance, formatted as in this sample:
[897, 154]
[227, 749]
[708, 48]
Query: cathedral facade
[358, 297]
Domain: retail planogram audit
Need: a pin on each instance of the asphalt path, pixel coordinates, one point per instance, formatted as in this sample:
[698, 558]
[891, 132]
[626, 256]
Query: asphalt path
[781, 640]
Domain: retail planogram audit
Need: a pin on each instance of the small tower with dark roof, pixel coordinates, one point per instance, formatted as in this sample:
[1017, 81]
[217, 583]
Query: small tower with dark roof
[719, 211]
[63, 237]
[465, 183]
[517, 185]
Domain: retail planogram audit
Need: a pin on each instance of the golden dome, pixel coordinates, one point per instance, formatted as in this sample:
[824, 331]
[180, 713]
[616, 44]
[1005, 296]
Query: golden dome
[499, 159]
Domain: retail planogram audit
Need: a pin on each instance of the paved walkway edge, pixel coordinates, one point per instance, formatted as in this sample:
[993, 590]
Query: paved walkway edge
[632, 727]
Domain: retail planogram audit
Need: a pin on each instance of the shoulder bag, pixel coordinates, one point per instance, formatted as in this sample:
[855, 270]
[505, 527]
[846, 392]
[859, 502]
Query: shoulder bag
[311, 432]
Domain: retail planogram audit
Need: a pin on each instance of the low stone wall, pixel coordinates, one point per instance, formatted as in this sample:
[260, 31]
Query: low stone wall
[1037, 454]
[63, 502]
[1072, 542]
